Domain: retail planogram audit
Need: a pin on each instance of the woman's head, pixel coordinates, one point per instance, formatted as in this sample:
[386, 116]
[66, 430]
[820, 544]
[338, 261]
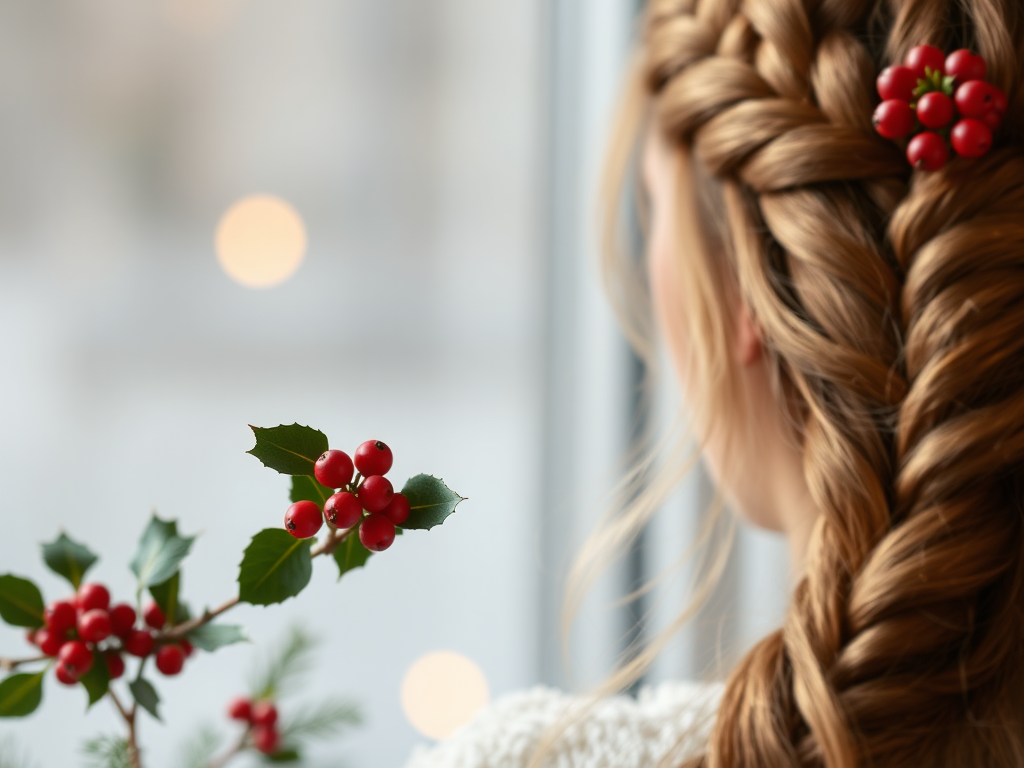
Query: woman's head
[801, 274]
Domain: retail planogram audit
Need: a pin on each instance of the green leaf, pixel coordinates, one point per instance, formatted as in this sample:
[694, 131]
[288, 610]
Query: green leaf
[430, 502]
[96, 680]
[166, 594]
[291, 450]
[351, 554]
[21, 602]
[145, 695]
[160, 552]
[275, 566]
[305, 488]
[68, 559]
[210, 637]
[20, 695]
[286, 755]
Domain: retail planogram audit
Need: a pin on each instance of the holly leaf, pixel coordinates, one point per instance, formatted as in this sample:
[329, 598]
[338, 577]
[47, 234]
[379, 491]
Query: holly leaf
[351, 554]
[291, 450]
[96, 680]
[160, 552]
[20, 695]
[275, 566]
[69, 559]
[166, 594]
[430, 502]
[306, 488]
[286, 755]
[145, 695]
[210, 637]
[21, 602]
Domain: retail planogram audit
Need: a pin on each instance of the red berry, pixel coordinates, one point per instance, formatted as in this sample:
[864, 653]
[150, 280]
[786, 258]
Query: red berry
[303, 519]
[398, 510]
[76, 656]
[897, 82]
[373, 458]
[923, 58]
[974, 99]
[927, 151]
[154, 616]
[266, 740]
[998, 99]
[377, 533]
[115, 665]
[187, 647]
[240, 709]
[170, 659]
[334, 469]
[65, 675]
[375, 493]
[343, 510]
[60, 617]
[49, 641]
[964, 66]
[139, 642]
[894, 118]
[935, 110]
[264, 714]
[122, 619]
[94, 626]
[971, 138]
[993, 120]
[93, 596]
[30, 636]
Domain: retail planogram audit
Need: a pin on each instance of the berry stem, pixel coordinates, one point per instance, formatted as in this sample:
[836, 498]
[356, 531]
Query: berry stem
[240, 746]
[9, 665]
[129, 719]
[334, 540]
[178, 632]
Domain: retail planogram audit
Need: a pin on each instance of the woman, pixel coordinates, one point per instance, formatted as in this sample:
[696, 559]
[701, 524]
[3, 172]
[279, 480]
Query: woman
[849, 332]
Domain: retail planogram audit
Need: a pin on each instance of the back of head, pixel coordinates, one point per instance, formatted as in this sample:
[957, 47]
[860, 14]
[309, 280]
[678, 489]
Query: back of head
[892, 302]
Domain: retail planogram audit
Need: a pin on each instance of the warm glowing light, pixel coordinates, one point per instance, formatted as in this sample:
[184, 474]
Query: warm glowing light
[441, 692]
[200, 18]
[260, 241]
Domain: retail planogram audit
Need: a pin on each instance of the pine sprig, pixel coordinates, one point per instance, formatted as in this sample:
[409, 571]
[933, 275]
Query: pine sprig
[200, 748]
[11, 755]
[285, 667]
[323, 720]
[107, 752]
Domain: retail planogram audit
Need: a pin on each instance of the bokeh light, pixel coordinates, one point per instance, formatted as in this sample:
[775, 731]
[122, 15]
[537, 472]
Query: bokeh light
[441, 692]
[261, 241]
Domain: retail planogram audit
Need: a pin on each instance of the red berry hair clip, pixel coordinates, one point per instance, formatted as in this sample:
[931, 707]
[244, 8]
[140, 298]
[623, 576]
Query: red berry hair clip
[930, 92]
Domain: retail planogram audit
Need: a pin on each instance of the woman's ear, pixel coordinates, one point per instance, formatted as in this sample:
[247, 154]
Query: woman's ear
[748, 337]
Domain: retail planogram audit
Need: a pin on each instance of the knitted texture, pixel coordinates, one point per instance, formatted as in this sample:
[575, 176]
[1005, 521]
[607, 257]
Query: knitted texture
[618, 732]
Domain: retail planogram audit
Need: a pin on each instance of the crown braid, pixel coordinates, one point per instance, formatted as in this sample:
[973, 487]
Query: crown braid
[893, 312]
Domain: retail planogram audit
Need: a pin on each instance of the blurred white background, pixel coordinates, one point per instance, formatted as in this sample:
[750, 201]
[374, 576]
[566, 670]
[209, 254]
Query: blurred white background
[442, 154]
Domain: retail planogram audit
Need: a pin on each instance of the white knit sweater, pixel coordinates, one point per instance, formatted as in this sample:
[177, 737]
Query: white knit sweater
[618, 732]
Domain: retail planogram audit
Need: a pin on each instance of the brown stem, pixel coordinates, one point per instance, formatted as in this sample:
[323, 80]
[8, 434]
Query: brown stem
[179, 631]
[129, 718]
[9, 665]
[334, 540]
[226, 758]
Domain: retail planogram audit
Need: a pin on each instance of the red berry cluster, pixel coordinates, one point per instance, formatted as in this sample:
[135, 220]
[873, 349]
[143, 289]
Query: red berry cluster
[261, 718]
[85, 627]
[930, 92]
[370, 492]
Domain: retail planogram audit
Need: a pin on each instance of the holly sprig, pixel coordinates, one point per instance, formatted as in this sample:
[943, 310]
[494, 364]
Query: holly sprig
[275, 566]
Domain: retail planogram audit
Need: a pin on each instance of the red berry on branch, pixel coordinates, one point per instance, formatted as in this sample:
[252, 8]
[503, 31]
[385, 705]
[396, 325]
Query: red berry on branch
[334, 469]
[343, 510]
[60, 616]
[76, 656]
[398, 510]
[94, 626]
[964, 66]
[971, 138]
[154, 616]
[927, 151]
[170, 659]
[974, 99]
[264, 714]
[93, 596]
[373, 458]
[377, 533]
[993, 120]
[187, 647]
[50, 642]
[893, 119]
[122, 619]
[266, 740]
[139, 642]
[303, 519]
[897, 82]
[998, 99]
[375, 493]
[240, 709]
[924, 58]
[935, 110]
[115, 665]
[65, 675]
[30, 636]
